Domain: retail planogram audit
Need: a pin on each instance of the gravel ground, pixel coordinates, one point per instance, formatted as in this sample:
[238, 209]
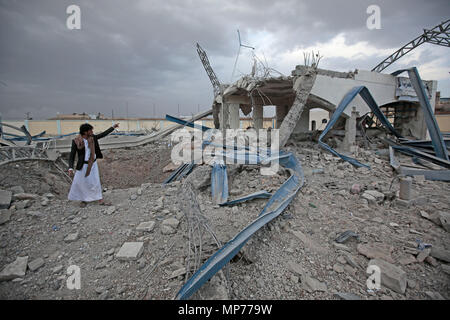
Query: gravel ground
[293, 257]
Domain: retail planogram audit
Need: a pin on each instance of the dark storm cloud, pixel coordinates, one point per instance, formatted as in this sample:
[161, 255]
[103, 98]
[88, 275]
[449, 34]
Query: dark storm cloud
[143, 52]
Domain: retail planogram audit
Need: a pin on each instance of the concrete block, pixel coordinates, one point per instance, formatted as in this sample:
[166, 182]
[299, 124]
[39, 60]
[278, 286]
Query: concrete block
[130, 251]
[5, 215]
[5, 199]
[392, 276]
[146, 226]
[71, 237]
[444, 217]
[16, 269]
[36, 264]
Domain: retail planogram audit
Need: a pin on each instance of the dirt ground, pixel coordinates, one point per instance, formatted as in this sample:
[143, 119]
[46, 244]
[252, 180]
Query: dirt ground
[293, 257]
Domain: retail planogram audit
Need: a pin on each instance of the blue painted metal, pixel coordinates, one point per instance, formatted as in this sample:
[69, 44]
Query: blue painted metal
[433, 128]
[257, 195]
[365, 94]
[274, 207]
[186, 123]
[219, 183]
[416, 153]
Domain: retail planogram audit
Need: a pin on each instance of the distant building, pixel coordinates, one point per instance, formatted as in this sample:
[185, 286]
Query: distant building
[79, 116]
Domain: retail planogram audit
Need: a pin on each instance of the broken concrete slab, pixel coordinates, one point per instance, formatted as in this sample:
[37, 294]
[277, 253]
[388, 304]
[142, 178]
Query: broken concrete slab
[376, 251]
[130, 251]
[25, 196]
[392, 277]
[177, 273]
[312, 284]
[444, 218]
[167, 230]
[5, 199]
[171, 222]
[71, 237]
[17, 189]
[36, 264]
[5, 215]
[146, 226]
[375, 194]
[423, 254]
[440, 253]
[15, 269]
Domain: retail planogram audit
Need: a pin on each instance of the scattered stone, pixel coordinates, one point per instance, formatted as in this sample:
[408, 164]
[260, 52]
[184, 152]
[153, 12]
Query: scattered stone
[57, 269]
[312, 284]
[408, 259]
[45, 202]
[295, 268]
[446, 268]
[25, 196]
[402, 203]
[15, 269]
[71, 237]
[5, 215]
[133, 197]
[171, 222]
[347, 296]
[355, 189]
[17, 189]
[167, 230]
[378, 196]
[444, 217]
[139, 192]
[341, 247]
[178, 272]
[440, 253]
[35, 214]
[111, 210]
[146, 226]
[341, 260]
[338, 268]
[376, 251]
[423, 254]
[424, 214]
[36, 264]
[130, 251]
[392, 276]
[5, 199]
[411, 283]
[431, 261]
[433, 295]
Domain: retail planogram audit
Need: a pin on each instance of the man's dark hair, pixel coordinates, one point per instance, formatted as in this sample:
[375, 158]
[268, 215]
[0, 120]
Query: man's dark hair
[85, 127]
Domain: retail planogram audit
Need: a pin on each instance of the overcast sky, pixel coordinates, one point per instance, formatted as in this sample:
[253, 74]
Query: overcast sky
[142, 53]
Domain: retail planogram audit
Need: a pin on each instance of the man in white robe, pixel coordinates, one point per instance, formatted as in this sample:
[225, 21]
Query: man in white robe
[86, 186]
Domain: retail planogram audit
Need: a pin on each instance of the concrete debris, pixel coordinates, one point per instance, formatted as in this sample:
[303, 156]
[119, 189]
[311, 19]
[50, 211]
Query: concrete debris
[71, 237]
[376, 251]
[130, 251]
[15, 269]
[392, 276]
[36, 264]
[5, 215]
[146, 226]
[5, 199]
[440, 253]
[444, 218]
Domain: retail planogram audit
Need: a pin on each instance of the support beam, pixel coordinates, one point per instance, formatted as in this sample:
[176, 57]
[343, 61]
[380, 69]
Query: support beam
[302, 86]
[258, 117]
[350, 132]
[281, 112]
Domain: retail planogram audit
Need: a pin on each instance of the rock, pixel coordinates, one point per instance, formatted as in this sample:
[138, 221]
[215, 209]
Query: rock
[15, 269]
[338, 268]
[440, 253]
[170, 167]
[45, 202]
[25, 196]
[347, 296]
[35, 214]
[371, 199]
[146, 226]
[313, 284]
[444, 217]
[16, 189]
[130, 251]
[295, 268]
[57, 269]
[424, 214]
[411, 283]
[375, 194]
[5, 215]
[341, 260]
[355, 189]
[423, 254]
[178, 272]
[167, 230]
[392, 276]
[402, 203]
[434, 295]
[341, 247]
[133, 197]
[378, 220]
[376, 251]
[446, 268]
[36, 264]
[431, 261]
[71, 237]
[5, 199]
[408, 259]
[110, 210]
[171, 222]
[20, 205]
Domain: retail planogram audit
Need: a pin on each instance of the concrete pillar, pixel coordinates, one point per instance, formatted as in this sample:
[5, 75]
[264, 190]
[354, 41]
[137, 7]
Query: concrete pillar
[350, 131]
[258, 117]
[229, 116]
[405, 188]
[303, 124]
[281, 112]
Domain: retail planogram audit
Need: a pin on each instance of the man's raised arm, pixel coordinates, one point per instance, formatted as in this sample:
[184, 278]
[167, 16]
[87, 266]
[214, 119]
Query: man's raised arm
[108, 131]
